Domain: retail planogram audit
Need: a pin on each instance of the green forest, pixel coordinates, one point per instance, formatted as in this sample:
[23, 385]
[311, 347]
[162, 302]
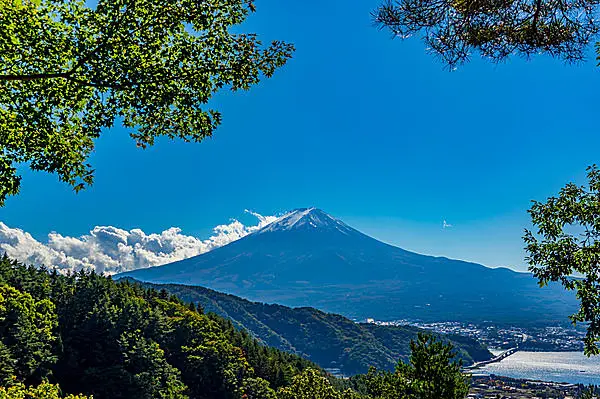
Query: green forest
[330, 340]
[85, 334]
[75, 71]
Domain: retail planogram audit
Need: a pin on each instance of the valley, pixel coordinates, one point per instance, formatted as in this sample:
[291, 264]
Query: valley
[372, 298]
[332, 341]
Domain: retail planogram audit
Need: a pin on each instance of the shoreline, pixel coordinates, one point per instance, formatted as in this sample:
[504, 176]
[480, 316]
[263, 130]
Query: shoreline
[564, 367]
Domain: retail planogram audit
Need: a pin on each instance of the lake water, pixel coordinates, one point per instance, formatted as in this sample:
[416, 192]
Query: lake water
[571, 367]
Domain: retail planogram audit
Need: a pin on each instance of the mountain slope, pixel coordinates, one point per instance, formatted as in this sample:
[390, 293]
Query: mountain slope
[308, 258]
[92, 335]
[330, 340]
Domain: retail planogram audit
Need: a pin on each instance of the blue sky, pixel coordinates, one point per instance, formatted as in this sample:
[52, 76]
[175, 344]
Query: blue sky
[372, 130]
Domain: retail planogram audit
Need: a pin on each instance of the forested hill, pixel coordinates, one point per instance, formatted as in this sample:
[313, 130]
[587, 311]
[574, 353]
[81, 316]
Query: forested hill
[91, 335]
[84, 334]
[330, 340]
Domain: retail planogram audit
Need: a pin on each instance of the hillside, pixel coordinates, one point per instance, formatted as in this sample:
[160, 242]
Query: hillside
[84, 335]
[330, 340]
[309, 258]
[94, 336]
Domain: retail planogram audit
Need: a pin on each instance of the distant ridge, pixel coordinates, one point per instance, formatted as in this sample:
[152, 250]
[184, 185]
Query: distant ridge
[330, 340]
[309, 258]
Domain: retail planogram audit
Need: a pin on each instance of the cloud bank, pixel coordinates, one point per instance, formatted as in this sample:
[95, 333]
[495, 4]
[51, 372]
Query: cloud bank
[111, 250]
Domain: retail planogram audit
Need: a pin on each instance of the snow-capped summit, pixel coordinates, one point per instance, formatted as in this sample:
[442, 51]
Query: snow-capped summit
[306, 219]
[309, 258]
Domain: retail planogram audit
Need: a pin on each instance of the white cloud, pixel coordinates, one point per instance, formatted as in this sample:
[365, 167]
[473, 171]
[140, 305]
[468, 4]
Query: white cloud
[110, 250]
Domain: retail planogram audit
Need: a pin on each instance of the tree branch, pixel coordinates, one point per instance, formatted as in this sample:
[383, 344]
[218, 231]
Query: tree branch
[538, 7]
[36, 76]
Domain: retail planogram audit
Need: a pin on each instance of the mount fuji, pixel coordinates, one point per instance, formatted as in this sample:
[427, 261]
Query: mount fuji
[309, 258]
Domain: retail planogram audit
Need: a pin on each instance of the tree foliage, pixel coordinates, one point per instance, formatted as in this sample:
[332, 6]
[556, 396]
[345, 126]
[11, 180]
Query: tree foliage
[494, 28]
[309, 385]
[590, 392]
[120, 340]
[68, 71]
[431, 373]
[567, 244]
[42, 391]
[326, 338]
[96, 337]
[150, 374]
[26, 335]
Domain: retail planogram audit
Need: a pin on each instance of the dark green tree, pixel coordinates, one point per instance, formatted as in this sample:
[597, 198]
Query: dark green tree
[70, 70]
[7, 365]
[382, 384]
[590, 392]
[151, 376]
[42, 391]
[567, 244]
[27, 335]
[257, 388]
[496, 29]
[309, 385]
[432, 372]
